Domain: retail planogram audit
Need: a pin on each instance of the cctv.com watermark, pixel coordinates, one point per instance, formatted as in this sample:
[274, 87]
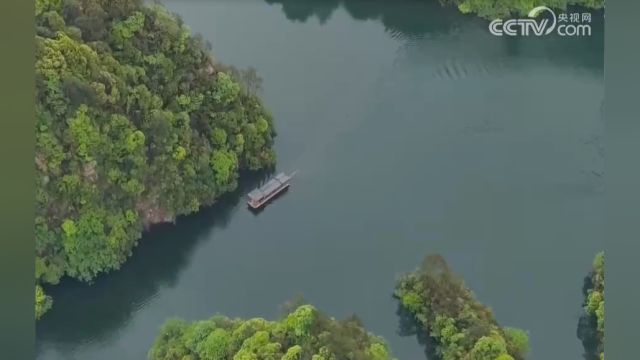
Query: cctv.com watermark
[564, 24]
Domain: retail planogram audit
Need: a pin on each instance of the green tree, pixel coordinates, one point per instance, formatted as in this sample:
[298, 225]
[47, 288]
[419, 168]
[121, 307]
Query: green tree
[43, 302]
[518, 341]
[215, 346]
[489, 348]
[300, 321]
[224, 164]
[293, 353]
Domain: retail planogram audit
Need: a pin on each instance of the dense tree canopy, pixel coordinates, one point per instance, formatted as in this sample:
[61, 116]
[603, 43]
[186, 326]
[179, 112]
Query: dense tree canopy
[136, 124]
[446, 313]
[591, 327]
[303, 333]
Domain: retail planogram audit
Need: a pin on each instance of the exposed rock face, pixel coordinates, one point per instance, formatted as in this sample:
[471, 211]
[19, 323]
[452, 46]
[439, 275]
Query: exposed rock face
[152, 213]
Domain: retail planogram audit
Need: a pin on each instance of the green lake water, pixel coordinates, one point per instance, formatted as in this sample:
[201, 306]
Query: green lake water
[414, 130]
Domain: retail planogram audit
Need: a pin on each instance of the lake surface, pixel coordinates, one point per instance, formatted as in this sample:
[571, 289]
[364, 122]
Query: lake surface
[414, 131]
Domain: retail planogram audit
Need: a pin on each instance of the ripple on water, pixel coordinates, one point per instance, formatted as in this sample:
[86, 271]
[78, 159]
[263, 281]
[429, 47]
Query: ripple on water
[459, 69]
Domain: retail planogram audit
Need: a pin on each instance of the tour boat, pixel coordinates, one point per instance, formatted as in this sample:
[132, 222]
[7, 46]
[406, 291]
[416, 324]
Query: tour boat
[260, 196]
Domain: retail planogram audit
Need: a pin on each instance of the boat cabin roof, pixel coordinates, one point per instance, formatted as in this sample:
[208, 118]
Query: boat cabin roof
[255, 194]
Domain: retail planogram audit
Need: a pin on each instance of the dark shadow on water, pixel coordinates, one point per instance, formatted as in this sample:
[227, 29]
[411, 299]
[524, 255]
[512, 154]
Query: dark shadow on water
[84, 313]
[412, 20]
[405, 18]
[409, 326]
[303, 10]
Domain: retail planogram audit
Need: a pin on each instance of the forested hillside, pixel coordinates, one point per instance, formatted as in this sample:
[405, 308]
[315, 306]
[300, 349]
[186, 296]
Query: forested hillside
[304, 333]
[136, 124]
[447, 318]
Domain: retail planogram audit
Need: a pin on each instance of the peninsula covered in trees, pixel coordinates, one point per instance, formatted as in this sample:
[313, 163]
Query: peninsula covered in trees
[136, 124]
[448, 319]
[591, 326]
[303, 333]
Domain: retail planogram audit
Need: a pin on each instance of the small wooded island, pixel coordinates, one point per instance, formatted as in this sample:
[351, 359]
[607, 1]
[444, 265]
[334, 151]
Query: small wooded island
[448, 319]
